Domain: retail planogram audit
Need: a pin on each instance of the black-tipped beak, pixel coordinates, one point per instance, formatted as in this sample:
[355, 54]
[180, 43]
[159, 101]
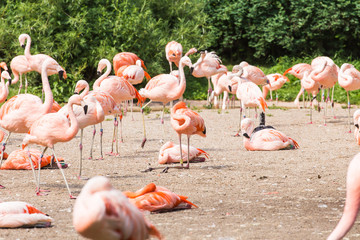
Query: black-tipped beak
[76, 92]
[61, 74]
[204, 132]
[246, 135]
[191, 70]
[98, 73]
[357, 125]
[230, 88]
[23, 45]
[9, 81]
[85, 109]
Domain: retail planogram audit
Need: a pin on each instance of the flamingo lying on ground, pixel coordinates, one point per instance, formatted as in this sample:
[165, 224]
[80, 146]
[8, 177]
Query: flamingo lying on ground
[173, 51]
[349, 79]
[21, 214]
[102, 212]
[352, 202]
[185, 121]
[154, 198]
[165, 88]
[264, 138]
[52, 128]
[276, 81]
[19, 160]
[169, 153]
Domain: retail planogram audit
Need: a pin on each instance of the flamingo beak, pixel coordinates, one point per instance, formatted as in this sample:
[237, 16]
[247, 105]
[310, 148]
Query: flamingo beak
[230, 89]
[204, 132]
[98, 73]
[76, 92]
[61, 74]
[23, 45]
[191, 70]
[246, 135]
[85, 109]
[9, 80]
[268, 82]
[356, 125]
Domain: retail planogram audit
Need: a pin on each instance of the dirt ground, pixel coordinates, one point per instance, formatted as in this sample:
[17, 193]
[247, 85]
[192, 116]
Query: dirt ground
[290, 194]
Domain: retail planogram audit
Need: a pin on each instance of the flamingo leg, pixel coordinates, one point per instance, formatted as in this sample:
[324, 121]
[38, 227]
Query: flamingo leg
[121, 129]
[162, 122]
[146, 104]
[277, 97]
[62, 172]
[33, 169]
[20, 86]
[209, 90]
[81, 148]
[143, 120]
[303, 96]
[92, 143]
[26, 84]
[188, 152]
[271, 95]
[181, 157]
[332, 101]
[3, 148]
[101, 136]
[349, 106]
[132, 104]
[38, 191]
[238, 132]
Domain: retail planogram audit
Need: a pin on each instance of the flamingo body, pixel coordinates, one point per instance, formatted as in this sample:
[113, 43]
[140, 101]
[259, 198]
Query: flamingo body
[169, 153]
[349, 77]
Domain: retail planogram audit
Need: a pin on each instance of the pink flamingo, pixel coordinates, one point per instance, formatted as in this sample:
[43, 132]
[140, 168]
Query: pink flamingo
[185, 121]
[102, 212]
[249, 95]
[349, 79]
[173, 51]
[3, 66]
[4, 87]
[126, 58]
[298, 71]
[169, 153]
[106, 102]
[94, 115]
[154, 198]
[133, 73]
[264, 139]
[21, 214]
[120, 89]
[352, 203]
[21, 111]
[253, 74]
[226, 83]
[276, 81]
[52, 128]
[356, 124]
[165, 88]
[21, 65]
[206, 66]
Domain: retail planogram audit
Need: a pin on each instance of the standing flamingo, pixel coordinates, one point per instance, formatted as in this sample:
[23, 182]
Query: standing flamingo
[102, 212]
[173, 51]
[276, 81]
[349, 79]
[4, 87]
[298, 71]
[352, 202]
[21, 65]
[21, 111]
[165, 88]
[264, 138]
[21, 214]
[185, 121]
[154, 198]
[169, 153]
[52, 128]
[119, 88]
[253, 74]
[94, 115]
[207, 65]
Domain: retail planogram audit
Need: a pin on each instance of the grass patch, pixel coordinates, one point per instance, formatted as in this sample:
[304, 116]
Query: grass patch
[278, 107]
[147, 110]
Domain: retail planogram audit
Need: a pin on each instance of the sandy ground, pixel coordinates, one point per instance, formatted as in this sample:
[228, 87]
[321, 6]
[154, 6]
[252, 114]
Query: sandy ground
[297, 194]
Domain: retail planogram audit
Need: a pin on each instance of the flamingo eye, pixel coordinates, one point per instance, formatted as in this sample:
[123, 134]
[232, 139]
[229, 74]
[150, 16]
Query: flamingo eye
[173, 54]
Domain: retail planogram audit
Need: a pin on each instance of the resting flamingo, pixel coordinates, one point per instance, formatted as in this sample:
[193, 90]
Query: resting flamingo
[185, 121]
[206, 66]
[52, 128]
[21, 65]
[120, 89]
[298, 71]
[126, 58]
[169, 153]
[21, 111]
[349, 79]
[154, 198]
[21, 214]
[352, 202]
[102, 212]
[276, 81]
[253, 74]
[264, 138]
[94, 114]
[173, 51]
[165, 88]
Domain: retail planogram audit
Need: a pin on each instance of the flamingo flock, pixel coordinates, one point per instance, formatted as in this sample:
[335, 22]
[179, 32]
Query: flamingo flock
[103, 212]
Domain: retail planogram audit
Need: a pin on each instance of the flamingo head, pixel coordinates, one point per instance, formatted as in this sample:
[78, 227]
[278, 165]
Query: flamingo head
[102, 64]
[3, 66]
[80, 85]
[6, 75]
[185, 60]
[247, 127]
[22, 38]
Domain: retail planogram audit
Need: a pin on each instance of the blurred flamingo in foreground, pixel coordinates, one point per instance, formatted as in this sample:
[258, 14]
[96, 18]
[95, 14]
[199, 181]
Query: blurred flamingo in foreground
[352, 202]
[52, 128]
[276, 81]
[264, 138]
[349, 79]
[185, 121]
[21, 214]
[154, 198]
[102, 212]
[169, 153]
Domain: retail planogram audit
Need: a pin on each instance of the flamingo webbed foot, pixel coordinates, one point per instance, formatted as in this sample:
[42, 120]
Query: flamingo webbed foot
[72, 197]
[113, 154]
[237, 135]
[2, 187]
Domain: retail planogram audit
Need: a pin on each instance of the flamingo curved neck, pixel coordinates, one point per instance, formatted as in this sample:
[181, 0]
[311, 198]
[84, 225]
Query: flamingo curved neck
[102, 77]
[85, 91]
[74, 125]
[47, 105]
[27, 48]
[182, 85]
[4, 90]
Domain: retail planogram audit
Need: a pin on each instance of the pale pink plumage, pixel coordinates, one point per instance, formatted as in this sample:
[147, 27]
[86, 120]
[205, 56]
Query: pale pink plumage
[19, 214]
[276, 81]
[324, 71]
[250, 95]
[298, 70]
[356, 123]
[4, 87]
[133, 73]
[126, 58]
[173, 51]
[349, 77]
[102, 212]
[170, 153]
[267, 139]
[253, 74]
[352, 202]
